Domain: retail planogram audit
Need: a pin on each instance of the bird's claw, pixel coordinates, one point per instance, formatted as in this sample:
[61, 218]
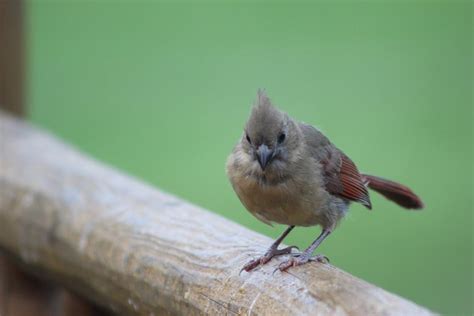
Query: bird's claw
[299, 260]
[267, 257]
[249, 266]
[320, 258]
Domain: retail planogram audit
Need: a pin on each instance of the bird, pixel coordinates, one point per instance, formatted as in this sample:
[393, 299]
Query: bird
[288, 172]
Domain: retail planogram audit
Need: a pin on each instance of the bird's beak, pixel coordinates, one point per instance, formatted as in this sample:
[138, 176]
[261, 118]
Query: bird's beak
[264, 156]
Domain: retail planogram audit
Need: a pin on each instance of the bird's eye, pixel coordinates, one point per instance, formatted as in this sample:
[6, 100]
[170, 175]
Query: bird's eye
[248, 138]
[281, 138]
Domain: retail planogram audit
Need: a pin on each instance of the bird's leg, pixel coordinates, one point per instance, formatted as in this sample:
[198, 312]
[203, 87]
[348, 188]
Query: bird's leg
[306, 255]
[271, 252]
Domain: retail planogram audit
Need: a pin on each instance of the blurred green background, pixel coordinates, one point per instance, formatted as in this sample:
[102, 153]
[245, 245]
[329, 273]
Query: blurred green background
[162, 91]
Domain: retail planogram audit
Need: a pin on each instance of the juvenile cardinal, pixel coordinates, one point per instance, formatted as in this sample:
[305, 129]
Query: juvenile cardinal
[288, 172]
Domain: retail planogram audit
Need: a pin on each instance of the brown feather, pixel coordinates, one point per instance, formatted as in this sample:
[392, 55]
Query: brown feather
[395, 192]
[343, 179]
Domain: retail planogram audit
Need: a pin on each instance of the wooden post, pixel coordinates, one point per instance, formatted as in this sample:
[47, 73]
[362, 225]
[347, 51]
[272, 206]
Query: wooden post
[12, 56]
[22, 294]
[137, 250]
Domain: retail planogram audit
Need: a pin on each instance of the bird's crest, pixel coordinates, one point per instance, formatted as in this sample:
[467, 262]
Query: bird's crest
[263, 101]
[265, 120]
[263, 109]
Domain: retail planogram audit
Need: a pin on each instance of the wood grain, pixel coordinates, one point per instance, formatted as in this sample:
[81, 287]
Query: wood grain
[137, 250]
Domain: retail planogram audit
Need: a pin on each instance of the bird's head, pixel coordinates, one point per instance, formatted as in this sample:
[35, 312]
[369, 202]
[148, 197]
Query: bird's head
[271, 138]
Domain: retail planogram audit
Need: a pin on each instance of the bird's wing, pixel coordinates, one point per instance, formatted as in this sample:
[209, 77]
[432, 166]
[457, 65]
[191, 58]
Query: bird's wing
[340, 174]
[343, 179]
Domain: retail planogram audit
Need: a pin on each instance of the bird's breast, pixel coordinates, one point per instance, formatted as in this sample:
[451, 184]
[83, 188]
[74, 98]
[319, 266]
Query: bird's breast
[289, 202]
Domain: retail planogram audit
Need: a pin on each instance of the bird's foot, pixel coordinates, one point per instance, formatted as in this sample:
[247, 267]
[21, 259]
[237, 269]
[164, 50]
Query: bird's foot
[300, 259]
[272, 252]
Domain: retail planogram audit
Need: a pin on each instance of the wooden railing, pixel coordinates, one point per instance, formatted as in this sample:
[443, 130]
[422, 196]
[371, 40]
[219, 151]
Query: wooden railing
[136, 250]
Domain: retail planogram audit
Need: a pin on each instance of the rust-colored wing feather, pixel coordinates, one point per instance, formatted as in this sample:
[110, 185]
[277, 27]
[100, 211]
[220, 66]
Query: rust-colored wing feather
[341, 175]
[343, 179]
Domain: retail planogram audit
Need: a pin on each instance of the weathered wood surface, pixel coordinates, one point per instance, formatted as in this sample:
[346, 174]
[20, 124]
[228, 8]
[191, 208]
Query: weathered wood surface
[23, 294]
[137, 250]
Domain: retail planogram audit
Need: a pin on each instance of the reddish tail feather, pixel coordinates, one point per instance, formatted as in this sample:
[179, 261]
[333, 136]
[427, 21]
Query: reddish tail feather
[395, 192]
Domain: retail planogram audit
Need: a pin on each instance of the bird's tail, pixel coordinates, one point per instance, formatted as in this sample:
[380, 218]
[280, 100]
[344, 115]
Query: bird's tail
[395, 192]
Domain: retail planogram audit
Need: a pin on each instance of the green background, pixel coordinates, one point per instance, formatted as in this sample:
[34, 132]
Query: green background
[162, 91]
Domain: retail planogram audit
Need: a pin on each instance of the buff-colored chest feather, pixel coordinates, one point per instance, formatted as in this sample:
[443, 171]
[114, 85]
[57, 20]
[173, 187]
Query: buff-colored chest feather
[281, 203]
